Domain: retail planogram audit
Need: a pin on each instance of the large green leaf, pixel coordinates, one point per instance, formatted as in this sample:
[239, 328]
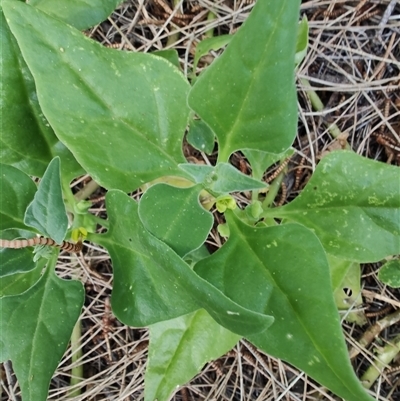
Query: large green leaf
[17, 191]
[15, 261]
[35, 329]
[178, 350]
[26, 139]
[80, 14]
[282, 271]
[353, 206]
[152, 283]
[121, 114]
[20, 282]
[247, 96]
[47, 211]
[175, 216]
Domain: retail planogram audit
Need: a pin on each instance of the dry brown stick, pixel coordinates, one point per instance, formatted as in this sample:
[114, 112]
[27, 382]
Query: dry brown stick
[374, 331]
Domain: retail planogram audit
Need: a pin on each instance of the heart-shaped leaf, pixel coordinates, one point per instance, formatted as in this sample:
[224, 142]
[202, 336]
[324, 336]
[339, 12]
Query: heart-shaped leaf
[175, 216]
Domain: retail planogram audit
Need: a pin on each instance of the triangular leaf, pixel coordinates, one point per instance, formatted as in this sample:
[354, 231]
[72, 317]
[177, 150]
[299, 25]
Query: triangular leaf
[247, 96]
[35, 329]
[47, 211]
[353, 206]
[283, 271]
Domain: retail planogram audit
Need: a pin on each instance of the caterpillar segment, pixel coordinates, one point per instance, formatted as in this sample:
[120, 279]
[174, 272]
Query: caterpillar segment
[23, 243]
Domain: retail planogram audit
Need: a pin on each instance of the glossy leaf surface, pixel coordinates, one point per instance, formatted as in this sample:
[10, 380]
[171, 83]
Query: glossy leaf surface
[17, 191]
[80, 14]
[47, 211]
[287, 271]
[175, 216]
[35, 322]
[178, 350]
[247, 96]
[152, 283]
[122, 119]
[353, 205]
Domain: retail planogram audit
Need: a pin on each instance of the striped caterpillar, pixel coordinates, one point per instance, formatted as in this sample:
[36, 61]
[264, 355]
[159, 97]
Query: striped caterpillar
[23, 243]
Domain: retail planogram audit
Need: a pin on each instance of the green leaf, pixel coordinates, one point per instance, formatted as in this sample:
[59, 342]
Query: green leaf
[178, 350]
[123, 115]
[20, 282]
[169, 54]
[175, 216]
[353, 205]
[221, 179]
[36, 327]
[17, 191]
[47, 211]
[302, 41]
[80, 14]
[346, 284]
[256, 69]
[283, 271]
[389, 273]
[26, 139]
[152, 283]
[206, 45]
[15, 261]
[200, 136]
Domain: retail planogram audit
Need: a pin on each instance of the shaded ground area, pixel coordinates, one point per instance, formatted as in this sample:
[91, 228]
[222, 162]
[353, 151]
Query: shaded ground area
[353, 69]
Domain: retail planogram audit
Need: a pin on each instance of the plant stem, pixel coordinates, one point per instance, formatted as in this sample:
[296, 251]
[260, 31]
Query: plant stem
[385, 356]
[210, 17]
[86, 191]
[274, 189]
[173, 38]
[76, 351]
[319, 106]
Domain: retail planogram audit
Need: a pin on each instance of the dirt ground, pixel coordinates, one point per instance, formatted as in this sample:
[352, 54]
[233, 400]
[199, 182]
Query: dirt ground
[353, 65]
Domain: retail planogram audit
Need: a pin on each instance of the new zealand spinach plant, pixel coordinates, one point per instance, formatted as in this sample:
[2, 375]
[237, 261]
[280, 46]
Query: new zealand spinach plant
[71, 106]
